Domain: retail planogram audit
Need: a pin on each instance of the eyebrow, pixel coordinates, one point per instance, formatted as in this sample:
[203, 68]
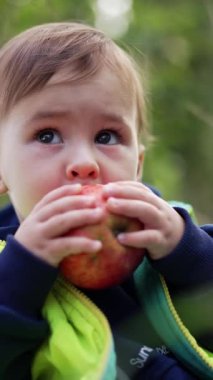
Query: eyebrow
[114, 117]
[41, 115]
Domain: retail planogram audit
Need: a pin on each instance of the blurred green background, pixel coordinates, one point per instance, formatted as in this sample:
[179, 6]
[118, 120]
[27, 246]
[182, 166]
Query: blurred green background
[173, 43]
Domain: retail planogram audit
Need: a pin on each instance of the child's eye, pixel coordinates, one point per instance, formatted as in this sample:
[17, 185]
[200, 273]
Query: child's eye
[107, 137]
[49, 136]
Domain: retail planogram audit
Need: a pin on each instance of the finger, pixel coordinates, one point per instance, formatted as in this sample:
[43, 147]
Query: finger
[62, 247]
[141, 239]
[76, 245]
[136, 184]
[62, 223]
[67, 203]
[132, 192]
[153, 241]
[147, 213]
[59, 193]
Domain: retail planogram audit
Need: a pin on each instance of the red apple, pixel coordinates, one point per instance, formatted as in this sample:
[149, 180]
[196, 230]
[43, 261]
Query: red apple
[114, 262]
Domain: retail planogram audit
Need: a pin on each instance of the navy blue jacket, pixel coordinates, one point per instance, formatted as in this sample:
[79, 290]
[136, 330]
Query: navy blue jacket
[26, 280]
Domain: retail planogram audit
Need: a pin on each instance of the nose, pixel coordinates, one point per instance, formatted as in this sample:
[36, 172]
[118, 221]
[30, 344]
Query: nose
[82, 171]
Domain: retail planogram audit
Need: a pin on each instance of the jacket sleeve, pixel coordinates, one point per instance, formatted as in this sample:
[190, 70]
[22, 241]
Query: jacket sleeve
[163, 367]
[191, 262]
[24, 284]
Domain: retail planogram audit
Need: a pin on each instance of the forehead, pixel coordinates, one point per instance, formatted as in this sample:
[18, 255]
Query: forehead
[103, 93]
[105, 79]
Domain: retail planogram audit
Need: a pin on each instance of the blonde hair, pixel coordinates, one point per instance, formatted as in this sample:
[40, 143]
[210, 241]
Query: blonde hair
[29, 60]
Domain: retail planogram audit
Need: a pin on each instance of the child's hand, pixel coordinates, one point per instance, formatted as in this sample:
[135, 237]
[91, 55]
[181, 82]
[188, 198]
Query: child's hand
[163, 226]
[61, 210]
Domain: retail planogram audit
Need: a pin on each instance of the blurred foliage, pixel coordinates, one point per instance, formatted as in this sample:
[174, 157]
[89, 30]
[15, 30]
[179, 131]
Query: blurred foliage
[172, 40]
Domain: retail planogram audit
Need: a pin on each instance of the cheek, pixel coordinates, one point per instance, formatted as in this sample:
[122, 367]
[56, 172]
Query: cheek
[23, 195]
[121, 168]
[27, 190]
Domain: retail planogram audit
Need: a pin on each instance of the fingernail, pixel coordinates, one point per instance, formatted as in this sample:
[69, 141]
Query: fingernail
[121, 237]
[97, 245]
[109, 187]
[76, 186]
[98, 211]
[89, 200]
[113, 201]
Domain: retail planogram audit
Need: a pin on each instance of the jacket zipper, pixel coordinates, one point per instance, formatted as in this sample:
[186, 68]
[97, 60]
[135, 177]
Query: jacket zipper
[200, 352]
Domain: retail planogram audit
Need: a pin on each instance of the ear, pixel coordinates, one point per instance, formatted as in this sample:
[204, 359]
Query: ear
[141, 154]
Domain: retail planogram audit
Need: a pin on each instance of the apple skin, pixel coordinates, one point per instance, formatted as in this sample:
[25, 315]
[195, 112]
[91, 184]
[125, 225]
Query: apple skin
[114, 262]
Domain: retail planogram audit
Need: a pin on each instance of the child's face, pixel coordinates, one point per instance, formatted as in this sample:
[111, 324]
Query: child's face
[68, 133]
